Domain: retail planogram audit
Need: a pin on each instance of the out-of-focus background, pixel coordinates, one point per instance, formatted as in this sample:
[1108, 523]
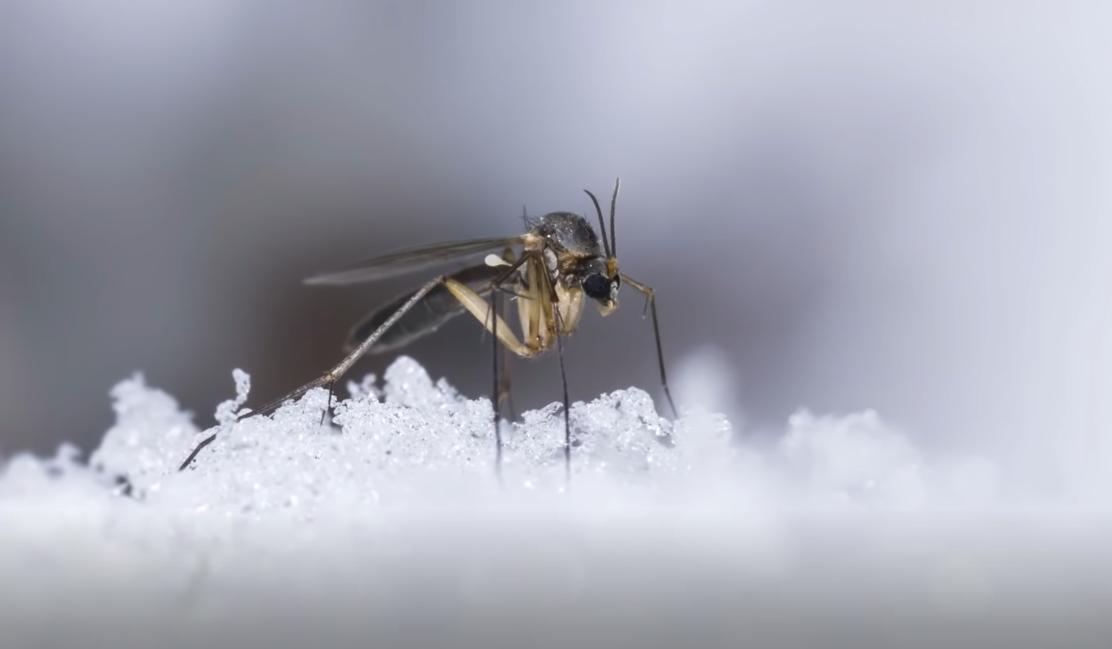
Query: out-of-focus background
[849, 205]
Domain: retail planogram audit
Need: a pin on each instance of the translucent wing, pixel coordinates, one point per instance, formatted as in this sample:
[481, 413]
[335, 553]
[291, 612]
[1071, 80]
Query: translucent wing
[409, 260]
[436, 308]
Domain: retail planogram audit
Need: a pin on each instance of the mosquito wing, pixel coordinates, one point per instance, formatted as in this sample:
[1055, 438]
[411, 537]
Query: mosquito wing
[436, 308]
[409, 260]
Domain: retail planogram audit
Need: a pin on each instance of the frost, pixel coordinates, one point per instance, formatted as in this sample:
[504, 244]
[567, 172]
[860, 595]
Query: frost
[391, 515]
[150, 432]
[410, 438]
[226, 412]
[855, 457]
[415, 439]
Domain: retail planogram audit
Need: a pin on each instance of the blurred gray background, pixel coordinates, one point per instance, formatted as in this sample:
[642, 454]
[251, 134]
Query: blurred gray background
[848, 205]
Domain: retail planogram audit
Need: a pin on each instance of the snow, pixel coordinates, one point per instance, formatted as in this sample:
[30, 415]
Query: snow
[387, 527]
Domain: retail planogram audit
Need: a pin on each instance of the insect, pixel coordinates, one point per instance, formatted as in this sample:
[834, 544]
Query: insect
[548, 273]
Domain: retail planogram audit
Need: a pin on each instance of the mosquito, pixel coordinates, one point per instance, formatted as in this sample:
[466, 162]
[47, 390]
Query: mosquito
[548, 273]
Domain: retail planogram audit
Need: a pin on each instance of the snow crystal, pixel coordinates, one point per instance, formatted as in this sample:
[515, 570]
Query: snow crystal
[390, 518]
[150, 433]
[855, 457]
[227, 412]
[411, 438]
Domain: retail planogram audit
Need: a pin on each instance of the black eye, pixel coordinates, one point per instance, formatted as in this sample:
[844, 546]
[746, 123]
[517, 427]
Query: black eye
[597, 287]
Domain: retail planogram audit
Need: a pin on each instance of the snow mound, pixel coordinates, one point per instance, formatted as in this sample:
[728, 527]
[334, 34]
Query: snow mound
[412, 438]
[387, 526]
[416, 440]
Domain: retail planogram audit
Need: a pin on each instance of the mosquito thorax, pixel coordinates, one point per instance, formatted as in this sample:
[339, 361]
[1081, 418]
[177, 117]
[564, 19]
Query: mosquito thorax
[577, 256]
[567, 233]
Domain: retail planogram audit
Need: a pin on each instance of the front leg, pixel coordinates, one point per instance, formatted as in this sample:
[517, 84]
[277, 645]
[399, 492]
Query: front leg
[650, 298]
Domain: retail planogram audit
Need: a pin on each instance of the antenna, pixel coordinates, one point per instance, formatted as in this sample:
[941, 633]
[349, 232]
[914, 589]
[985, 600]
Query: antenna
[614, 230]
[601, 223]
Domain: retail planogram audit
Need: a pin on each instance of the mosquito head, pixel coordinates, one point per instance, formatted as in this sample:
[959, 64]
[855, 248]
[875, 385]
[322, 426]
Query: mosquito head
[602, 284]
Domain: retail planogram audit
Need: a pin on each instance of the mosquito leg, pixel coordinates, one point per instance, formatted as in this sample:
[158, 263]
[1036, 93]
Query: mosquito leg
[496, 284]
[511, 268]
[548, 300]
[487, 313]
[512, 293]
[480, 309]
[660, 358]
[500, 365]
[501, 396]
[330, 377]
[505, 399]
[197, 449]
[650, 298]
[505, 391]
[328, 406]
[495, 400]
[567, 404]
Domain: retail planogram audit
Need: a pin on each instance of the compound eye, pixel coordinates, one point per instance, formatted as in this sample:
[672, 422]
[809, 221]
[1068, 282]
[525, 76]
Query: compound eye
[597, 287]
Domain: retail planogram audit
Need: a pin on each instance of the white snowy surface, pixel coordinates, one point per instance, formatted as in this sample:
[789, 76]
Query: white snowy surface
[388, 528]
